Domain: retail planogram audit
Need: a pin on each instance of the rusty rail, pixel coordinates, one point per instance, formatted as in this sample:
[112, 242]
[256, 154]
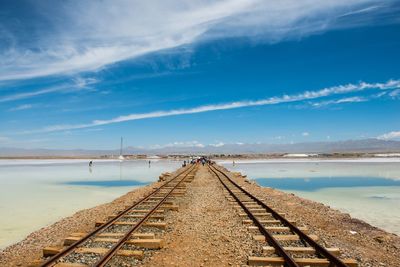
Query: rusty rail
[113, 250]
[289, 261]
[51, 261]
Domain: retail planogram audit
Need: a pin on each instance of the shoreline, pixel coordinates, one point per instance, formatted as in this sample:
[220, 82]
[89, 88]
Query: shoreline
[221, 157]
[83, 221]
[27, 250]
[313, 159]
[228, 160]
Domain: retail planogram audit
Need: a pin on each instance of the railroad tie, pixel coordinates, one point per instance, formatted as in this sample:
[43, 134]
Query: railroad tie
[277, 228]
[279, 261]
[272, 227]
[137, 254]
[77, 236]
[265, 222]
[139, 216]
[146, 211]
[66, 264]
[300, 250]
[283, 237]
[159, 225]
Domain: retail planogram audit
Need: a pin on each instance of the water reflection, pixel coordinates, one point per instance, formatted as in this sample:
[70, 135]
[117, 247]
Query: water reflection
[58, 188]
[316, 183]
[105, 183]
[367, 190]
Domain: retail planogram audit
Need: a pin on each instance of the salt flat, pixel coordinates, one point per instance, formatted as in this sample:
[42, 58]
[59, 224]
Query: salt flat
[367, 189]
[36, 193]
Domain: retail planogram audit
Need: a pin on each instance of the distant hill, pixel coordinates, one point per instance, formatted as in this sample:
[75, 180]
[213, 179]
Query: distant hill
[364, 145]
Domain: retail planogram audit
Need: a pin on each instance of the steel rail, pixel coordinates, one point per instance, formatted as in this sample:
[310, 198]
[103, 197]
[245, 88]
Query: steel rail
[113, 250]
[69, 249]
[320, 250]
[289, 261]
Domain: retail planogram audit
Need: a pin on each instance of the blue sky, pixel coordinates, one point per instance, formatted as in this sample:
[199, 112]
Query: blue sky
[79, 75]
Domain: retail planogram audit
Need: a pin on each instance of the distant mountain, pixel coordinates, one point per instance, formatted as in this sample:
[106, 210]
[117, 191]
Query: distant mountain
[21, 152]
[364, 145]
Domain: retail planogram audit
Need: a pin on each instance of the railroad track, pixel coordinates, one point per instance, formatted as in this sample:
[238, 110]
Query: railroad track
[285, 243]
[126, 236]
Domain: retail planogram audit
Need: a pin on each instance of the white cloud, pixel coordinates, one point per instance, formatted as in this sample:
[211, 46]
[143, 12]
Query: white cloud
[87, 35]
[18, 96]
[359, 99]
[305, 134]
[342, 89]
[21, 107]
[354, 99]
[180, 144]
[218, 144]
[78, 84]
[84, 83]
[395, 93]
[390, 135]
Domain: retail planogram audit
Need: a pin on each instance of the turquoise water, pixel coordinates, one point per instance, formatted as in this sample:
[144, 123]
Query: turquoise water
[366, 189]
[318, 183]
[107, 183]
[36, 193]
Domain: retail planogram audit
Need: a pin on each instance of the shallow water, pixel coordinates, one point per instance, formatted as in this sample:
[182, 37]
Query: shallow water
[36, 193]
[366, 189]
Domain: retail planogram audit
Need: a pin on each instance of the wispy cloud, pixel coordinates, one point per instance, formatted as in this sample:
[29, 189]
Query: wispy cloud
[395, 93]
[84, 83]
[21, 107]
[354, 99]
[390, 135]
[86, 36]
[77, 84]
[362, 10]
[179, 144]
[218, 144]
[305, 134]
[307, 95]
[18, 96]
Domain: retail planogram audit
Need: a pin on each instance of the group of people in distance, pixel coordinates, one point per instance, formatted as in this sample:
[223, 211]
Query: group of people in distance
[201, 160]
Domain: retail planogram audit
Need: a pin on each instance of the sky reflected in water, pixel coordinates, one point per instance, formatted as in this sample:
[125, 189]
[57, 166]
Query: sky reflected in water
[367, 190]
[317, 183]
[36, 193]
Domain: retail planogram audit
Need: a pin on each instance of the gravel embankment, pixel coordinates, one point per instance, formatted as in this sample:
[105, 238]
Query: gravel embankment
[208, 232]
[30, 249]
[371, 246]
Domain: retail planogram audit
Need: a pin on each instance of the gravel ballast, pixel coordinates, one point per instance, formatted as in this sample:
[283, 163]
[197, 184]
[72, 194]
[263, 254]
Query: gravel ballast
[207, 231]
[30, 249]
[369, 245]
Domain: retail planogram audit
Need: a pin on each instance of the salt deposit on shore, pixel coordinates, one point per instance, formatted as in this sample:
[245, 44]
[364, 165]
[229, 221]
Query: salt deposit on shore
[315, 160]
